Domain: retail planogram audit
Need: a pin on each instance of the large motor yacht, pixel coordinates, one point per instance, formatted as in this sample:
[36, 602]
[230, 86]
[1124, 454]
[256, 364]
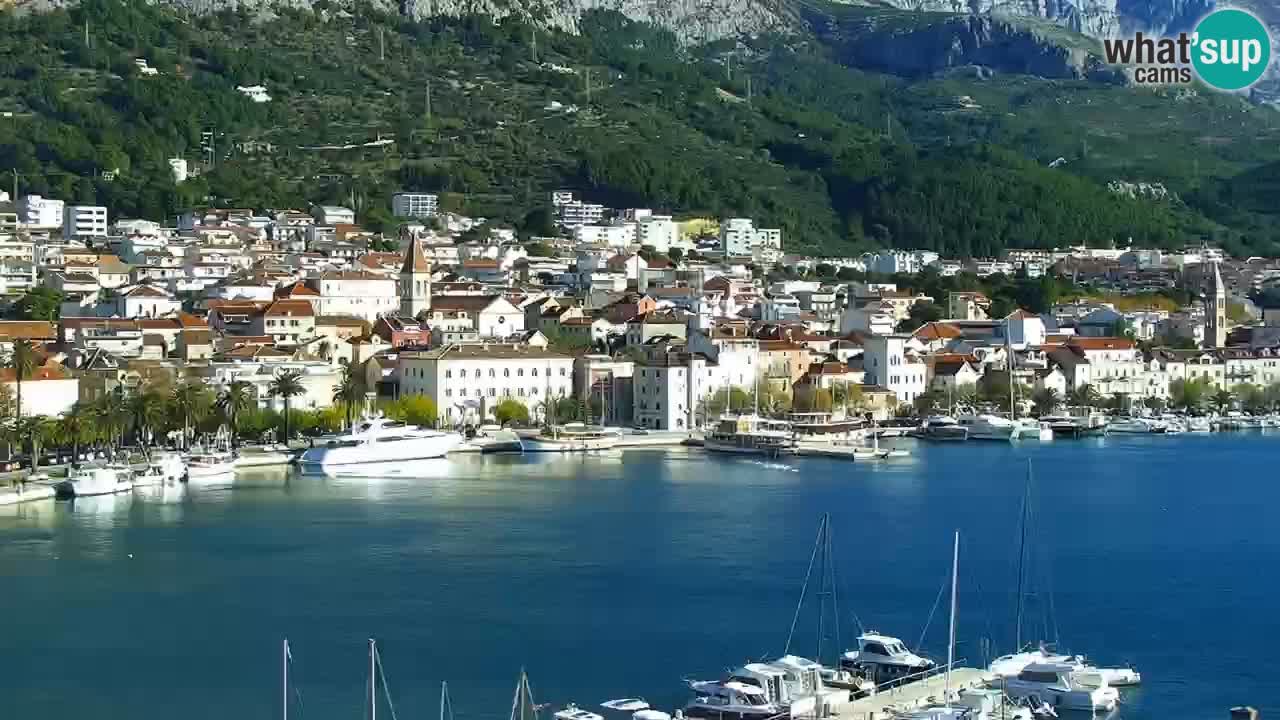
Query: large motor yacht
[1063, 685]
[885, 660]
[379, 440]
[1008, 666]
[729, 700]
[751, 435]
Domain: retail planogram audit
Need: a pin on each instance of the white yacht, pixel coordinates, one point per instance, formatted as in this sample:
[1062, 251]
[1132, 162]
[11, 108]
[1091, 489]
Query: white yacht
[264, 456]
[211, 466]
[572, 437]
[990, 427]
[162, 469]
[95, 480]
[885, 660]
[573, 712]
[729, 700]
[751, 435]
[1008, 666]
[1137, 426]
[943, 428]
[1063, 685]
[1199, 424]
[379, 440]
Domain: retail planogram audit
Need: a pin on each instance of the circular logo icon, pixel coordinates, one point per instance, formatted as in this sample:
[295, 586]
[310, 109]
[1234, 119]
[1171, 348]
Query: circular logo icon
[1232, 49]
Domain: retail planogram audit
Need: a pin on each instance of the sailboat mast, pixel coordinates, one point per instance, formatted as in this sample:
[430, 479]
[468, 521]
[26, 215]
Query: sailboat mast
[373, 680]
[1022, 558]
[951, 642]
[284, 667]
[444, 697]
[1009, 361]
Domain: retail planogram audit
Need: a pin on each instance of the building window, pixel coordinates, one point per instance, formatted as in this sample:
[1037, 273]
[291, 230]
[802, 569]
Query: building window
[506, 392]
[519, 372]
[492, 373]
[448, 393]
[506, 372]
[477, 373]
[448, 374]
[533, 392]
[534, 372]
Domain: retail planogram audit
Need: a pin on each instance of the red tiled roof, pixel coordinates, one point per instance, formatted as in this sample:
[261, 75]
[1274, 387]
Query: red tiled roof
[1100, 343]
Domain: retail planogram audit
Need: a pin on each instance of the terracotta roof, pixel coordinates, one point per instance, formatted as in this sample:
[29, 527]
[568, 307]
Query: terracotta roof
[158, 323]
[50, 370]
[80, 279]
[297, 289]
[937, 331]
[256, 351]
[187, 320]
[26, 330]
[354, 275]
[290, 308]
[197, 337]
[473, 303]
[153, 339]
[339, 321]
[146, 291]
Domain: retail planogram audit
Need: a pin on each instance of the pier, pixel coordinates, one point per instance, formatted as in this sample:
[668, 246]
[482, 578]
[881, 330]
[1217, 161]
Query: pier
[911, 695]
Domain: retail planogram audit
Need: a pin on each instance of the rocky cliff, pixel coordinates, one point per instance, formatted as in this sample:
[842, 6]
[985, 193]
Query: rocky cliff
[1096, 18]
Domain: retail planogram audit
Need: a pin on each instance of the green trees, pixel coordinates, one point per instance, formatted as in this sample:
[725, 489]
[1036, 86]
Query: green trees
[286, 386]
[22, 361]
[40, 303]
[349, 392]
[511, 412]
[1044, 401]
[1085, 395]
[413, 409]
[1189, 395]
[232, 402]
[191, 403]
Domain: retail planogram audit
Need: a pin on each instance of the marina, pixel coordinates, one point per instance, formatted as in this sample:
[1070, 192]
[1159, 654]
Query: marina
[427, 562]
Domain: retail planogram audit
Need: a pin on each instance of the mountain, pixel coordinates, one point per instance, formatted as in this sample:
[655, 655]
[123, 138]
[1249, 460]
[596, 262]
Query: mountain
[788, 127]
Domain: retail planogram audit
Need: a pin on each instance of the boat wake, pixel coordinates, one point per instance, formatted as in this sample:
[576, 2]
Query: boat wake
[775, 466]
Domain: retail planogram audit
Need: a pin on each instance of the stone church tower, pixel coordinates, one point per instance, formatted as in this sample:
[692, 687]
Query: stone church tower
[1215, 311]
[415, 281]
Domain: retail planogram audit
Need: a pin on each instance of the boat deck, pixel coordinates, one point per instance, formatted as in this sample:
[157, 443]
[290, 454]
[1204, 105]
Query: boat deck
[911, 695]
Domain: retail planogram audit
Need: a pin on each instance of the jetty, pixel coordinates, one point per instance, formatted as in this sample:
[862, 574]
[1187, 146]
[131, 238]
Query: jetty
[910, 695]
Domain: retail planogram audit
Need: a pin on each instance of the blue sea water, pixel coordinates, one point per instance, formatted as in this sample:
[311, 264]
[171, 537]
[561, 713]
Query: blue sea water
[618, 575]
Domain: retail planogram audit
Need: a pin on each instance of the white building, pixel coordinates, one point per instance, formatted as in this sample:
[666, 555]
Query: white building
[84, 222]
[50, 390]
[571, 212]
[357, 294]
[668, 388]
[333, 215]
[468, 381]
[419, 205]
[740, 236]
[36, 211]
[146, 301]
[618, 236]
[658, 231]
[489, 316]
[888, 364]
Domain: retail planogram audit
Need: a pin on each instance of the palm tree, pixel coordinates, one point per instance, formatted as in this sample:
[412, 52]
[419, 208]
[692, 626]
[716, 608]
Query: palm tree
[111, 414]
[287, 385]
[233, 400]
[1223, 399]
[36, 429]
[75, 428]
[349, 391]
[147, 413]
[1045, 400]
[23, 362]
[191, 402]
[1084, 396]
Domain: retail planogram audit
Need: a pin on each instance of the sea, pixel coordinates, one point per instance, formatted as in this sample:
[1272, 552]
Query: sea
[622, 574]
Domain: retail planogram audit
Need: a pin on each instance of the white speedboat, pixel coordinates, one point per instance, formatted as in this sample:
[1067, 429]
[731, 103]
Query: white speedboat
[1062, 686]
[716, 700]
[1137, 426]
[210, 466]
[573, 437]
[162, 469]
[379, 440]
[751, 435]
[943, 428]
[885, 660]
[95, 480]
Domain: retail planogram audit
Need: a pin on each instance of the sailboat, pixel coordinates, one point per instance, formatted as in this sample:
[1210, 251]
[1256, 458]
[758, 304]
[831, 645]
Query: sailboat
[969, 704]
[1011, 665]
[522, 704]
[375, 674]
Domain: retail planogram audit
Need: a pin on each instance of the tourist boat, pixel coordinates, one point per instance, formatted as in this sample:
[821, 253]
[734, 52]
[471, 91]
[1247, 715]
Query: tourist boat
[1008, 666]
[210, 466]
[1062, 686]
[943, 428]
[1137, 426]
[573, 437]
[729, 700]
[93, 480]
[379, 440]
[751, 435]
[162, 469]
[885, 660]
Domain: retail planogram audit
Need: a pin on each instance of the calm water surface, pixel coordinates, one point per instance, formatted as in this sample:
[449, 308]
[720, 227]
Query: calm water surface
[619, 575]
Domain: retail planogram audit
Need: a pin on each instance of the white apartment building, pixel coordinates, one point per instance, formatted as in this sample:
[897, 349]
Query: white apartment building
[658, 231]
[84, 222]
[571, 212]
[888, 364]
[740, 236]
[318, 379]
[36, 211]
[668, 389]
[488, 315]
[468, 381]
[419, 205]
[895, 261]
[618, 236]
[357, 294]
[333, 215]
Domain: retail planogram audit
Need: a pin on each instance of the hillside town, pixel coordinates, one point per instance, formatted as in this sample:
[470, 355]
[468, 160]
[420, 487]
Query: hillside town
[623, 316]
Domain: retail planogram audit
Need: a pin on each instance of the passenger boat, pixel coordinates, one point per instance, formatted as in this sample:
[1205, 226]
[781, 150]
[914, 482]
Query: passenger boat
[379, 440]
[93, 480]
[1063, 686]
[751, 435]
[572, 437]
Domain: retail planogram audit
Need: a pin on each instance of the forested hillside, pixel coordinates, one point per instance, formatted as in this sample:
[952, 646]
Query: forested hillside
[494, 115]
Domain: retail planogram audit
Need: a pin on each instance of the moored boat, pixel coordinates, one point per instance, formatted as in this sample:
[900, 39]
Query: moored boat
[93, 480]
[943, 428]
[751, 435]
[379, 440]
[210, 466]
[572, 437]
